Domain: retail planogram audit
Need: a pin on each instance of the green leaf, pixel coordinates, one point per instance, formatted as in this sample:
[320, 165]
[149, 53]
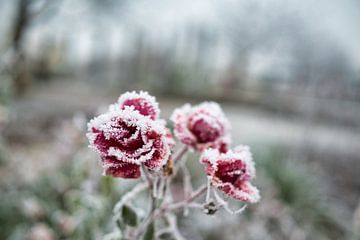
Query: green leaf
[129, 216]
[120, 224]
[150, 232]
[166, 236]
[107, 185]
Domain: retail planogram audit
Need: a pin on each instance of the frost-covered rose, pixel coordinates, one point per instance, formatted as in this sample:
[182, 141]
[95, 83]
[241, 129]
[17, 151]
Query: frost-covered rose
[126, 139]
[142, 102]
[147, 106]
[231, 172]
[202, 126]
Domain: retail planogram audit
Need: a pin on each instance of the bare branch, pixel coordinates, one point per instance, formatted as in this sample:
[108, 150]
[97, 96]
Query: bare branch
[225, 205]
[130, 195]
[185, 202]
[171, 219]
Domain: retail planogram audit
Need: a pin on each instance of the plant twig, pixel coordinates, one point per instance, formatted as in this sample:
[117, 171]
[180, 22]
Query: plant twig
[150, 217]
[130, 195]
[225, 205]
[180, 153]
[171, 219]
[185, 202]
[158, 212]
[187, 185]
[208, 188]
[147, 176]
[177, 163]
[148, 220]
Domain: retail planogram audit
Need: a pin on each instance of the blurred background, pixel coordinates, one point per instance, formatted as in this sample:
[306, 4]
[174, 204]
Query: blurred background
[286, 72]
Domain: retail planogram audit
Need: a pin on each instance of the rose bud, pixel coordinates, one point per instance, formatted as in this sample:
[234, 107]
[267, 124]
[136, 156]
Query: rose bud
[231, 172]
[126, 139]
[202, 126]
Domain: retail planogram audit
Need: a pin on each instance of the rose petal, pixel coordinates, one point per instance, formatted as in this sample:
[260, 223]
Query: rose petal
[243, 191]
[116, 168]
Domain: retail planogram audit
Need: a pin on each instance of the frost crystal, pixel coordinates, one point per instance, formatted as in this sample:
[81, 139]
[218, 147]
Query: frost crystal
[231, 172]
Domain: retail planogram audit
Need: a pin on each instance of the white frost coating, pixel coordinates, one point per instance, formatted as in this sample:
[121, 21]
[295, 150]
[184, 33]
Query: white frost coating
[180, 119]
[142, 95]
[122, 156]
[241, 152]
[244, 153]
[107, 124]
[253, 196]
[210, 155]
[225, 204]
[213, 109]
[107, 121]
[182, 111]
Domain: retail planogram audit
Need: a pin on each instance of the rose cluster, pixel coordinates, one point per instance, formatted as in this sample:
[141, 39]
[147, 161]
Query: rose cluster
[131, 135]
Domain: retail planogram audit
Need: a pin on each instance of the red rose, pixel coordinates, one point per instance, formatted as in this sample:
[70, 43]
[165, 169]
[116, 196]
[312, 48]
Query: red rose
[202, 126]
[127, 139]
[231, 172]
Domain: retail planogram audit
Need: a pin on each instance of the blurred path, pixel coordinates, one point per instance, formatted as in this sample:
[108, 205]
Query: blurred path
[54, 101]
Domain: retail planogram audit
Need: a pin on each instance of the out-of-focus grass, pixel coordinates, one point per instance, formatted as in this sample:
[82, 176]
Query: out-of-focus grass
[70, 201]
[297, 187]
[5, 90]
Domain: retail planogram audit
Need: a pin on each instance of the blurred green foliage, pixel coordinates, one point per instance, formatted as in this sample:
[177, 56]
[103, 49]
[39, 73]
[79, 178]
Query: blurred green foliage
[297, 187]
[67, 200]
[5, 90]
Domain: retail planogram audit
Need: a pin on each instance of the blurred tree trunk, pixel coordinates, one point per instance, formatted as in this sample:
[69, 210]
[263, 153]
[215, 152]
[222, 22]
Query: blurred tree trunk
[19, 71]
